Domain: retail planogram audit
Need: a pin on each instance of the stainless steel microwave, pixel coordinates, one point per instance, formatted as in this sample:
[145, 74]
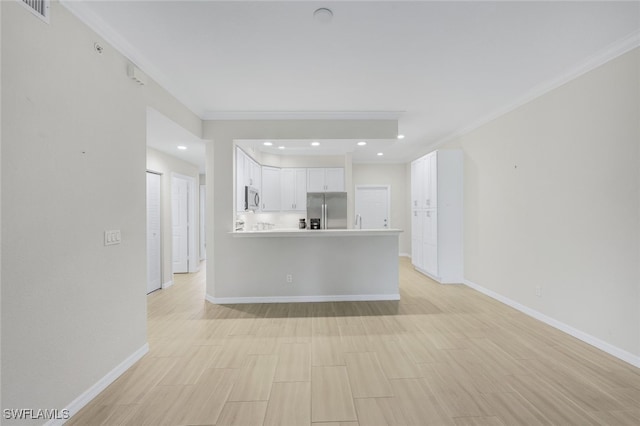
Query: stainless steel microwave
[251, 198]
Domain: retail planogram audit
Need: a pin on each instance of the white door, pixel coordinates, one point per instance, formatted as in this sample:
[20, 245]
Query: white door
[180, 222]
[372, 207]
[154, 253]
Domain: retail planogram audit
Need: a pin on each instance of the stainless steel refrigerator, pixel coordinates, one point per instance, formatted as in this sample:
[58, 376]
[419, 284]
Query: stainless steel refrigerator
[329, 207]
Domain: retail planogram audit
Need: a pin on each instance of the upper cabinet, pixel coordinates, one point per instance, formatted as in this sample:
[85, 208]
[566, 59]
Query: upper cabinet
[270, 195]
[248, 173]
[325, 179]
[294, 189]
[424, 182]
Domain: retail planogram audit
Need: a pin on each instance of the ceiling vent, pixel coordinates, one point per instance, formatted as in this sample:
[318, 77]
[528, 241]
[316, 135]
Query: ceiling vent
[40, 8]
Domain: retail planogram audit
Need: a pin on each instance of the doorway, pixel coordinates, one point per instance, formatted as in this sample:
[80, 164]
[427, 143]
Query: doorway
[182, 223]
[154, 241]
[372, 207]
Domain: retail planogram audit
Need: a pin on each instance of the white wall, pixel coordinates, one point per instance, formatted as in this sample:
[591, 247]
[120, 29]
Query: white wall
[73, 165]
[394, 175]
[552, 199]
[222, 254]
[165, 164]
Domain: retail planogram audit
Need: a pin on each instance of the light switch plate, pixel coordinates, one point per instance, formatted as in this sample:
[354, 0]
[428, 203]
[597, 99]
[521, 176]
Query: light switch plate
[112, 237]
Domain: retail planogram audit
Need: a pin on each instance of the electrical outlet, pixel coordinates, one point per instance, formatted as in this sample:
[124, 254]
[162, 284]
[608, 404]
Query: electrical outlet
[289, 278]
[538, 291]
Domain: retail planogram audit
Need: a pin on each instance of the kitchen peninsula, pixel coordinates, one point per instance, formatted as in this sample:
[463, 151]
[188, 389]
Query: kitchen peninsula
[314, 266]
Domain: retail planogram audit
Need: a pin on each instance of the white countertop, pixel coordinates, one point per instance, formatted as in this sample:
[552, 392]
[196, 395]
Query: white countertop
[318, 233]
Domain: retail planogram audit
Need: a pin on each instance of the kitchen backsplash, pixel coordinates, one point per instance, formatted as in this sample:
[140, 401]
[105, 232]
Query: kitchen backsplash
[255, 221]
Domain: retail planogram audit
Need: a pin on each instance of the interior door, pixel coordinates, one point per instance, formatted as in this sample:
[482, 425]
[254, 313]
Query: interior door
[154, 252]
[372, 207]
[180, 224]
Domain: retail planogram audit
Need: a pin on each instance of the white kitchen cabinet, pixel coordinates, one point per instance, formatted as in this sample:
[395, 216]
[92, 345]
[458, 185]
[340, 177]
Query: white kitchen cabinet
[325, 179]
[294, 189]
[248, 173]
[271, 189]
[417, 182]
[437, 216]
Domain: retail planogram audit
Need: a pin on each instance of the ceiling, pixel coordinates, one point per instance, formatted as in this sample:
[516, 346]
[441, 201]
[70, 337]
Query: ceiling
[442, 68]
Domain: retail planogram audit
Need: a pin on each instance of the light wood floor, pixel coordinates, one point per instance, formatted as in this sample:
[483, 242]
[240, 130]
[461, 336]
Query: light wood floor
[443, 355]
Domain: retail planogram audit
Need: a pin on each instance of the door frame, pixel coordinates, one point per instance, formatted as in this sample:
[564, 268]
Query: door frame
[386, 187]
[192, 257]
[202, 221]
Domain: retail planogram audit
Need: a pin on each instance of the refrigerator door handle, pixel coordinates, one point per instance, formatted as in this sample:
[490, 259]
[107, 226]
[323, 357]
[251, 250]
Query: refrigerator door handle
[323, 225]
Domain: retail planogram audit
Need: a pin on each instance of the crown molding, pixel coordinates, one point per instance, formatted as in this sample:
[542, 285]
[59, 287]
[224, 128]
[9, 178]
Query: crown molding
[609, 53]
[303, 115]
[80, 10]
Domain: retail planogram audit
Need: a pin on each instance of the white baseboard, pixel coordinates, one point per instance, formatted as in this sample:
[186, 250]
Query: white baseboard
[302, 299]
[86, 397]
[405, 255]
[167, 284]
[578, 334]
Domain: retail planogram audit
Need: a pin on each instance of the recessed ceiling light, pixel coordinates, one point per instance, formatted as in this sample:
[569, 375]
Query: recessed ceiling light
[281, 147]
[315, 143]
[400, 136]
[182, 147]
[380, 154]
[362, 143]
[323, 15]
[267, 143]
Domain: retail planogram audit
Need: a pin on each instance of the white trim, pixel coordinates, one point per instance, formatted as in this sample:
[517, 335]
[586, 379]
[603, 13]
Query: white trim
[167, 284]
[609, 53]
[302, 115]
[101, 385]
[578, 334]
[302, 299]
[436, 278]
[405, 255]
[83, 12]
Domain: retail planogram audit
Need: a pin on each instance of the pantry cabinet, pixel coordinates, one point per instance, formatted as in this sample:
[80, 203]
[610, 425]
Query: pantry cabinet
[437, 216]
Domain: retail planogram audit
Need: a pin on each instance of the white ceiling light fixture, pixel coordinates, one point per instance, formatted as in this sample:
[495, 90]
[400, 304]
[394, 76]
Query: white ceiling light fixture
[323, 15]
[315, 143]
[267, 143]
[400, 136]
[182, 147]
[281, 147]
[362, 143]
[380, 154]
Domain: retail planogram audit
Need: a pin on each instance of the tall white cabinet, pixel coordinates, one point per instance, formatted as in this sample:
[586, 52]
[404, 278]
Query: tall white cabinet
[437, 216]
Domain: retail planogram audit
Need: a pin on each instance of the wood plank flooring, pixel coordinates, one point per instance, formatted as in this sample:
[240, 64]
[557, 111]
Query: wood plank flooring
[442, 355]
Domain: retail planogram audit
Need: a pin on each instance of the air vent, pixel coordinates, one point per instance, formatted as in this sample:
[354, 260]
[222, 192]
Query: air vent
[40, 8]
